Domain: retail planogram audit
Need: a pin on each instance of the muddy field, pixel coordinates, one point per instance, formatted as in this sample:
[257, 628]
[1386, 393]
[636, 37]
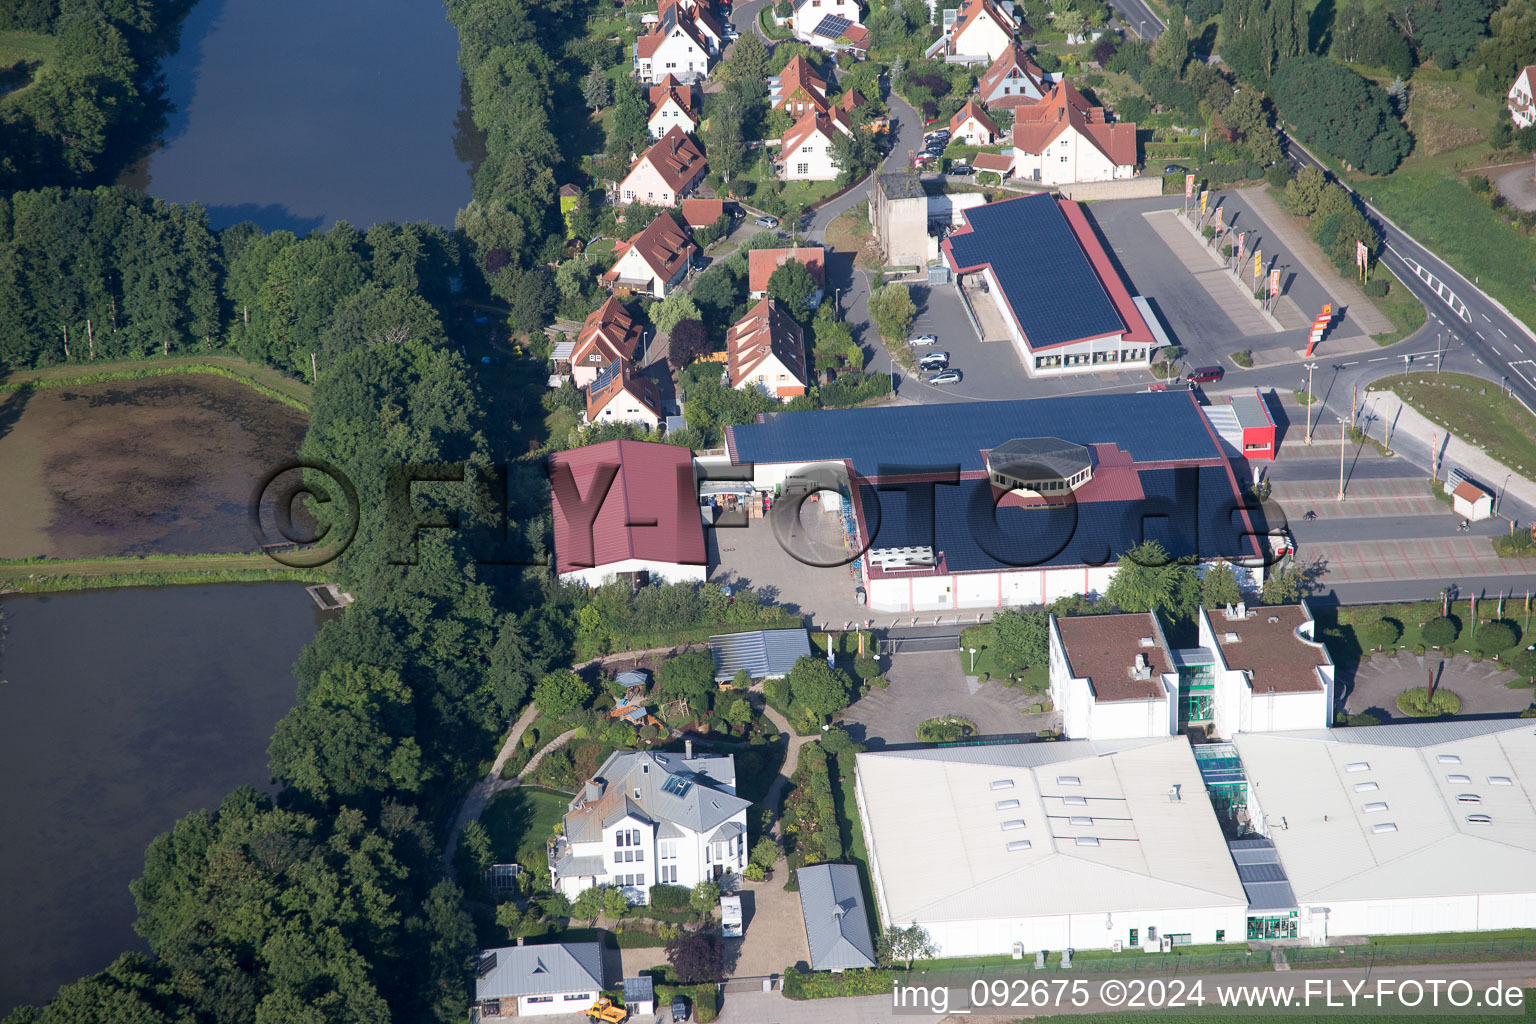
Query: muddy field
[158, 466]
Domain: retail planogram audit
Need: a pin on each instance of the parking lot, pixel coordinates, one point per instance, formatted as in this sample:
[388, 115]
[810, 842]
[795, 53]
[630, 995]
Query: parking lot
[929, 684]
[754, 557]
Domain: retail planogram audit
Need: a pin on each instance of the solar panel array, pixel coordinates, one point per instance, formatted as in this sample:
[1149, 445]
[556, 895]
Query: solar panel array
[1042, 270]
[1156, 426]
[833, 26]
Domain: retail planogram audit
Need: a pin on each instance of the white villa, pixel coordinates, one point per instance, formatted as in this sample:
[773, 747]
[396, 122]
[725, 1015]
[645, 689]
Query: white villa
[649, 818]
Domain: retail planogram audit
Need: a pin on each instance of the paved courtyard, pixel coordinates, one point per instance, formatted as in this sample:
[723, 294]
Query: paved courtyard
[1480, 685]
[774, 936]
[929, 684]
[754, 557]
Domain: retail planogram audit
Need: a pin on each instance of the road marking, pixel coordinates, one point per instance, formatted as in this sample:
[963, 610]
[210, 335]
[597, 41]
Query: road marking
[1378, 359]
[1485, 317]
[1495, 350]
[1501, 331]
[1349, 363]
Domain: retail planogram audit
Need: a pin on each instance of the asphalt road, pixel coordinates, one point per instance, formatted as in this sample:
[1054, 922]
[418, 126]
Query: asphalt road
[1462, 312]
[1138, 17]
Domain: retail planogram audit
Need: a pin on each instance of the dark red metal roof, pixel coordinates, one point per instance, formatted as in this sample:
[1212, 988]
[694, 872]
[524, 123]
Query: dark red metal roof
[650, 510]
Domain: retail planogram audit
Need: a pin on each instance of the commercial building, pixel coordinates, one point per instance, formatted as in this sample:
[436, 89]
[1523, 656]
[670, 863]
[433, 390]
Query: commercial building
[1397, 829]
[536, 981]
[1256, 670]
[666, 544]
[1013, 848]
[1007, 503]
[649, 818]
[1032, 270]
[1245, 426]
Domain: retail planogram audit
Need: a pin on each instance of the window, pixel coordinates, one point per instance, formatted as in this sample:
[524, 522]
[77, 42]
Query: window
[579, 997]
[1479, 819]
[802, 168]
[541, 999]
[1469, 798]
[1221, 935]
[1007, 805]
[667, 849]
[1135, 937]
[640, 855]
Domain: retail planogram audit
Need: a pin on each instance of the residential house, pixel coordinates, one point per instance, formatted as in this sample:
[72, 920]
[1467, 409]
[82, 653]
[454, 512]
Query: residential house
[678, 44]
[972, 126]
[1013, 80]
[672, 105]
[766, 350]
[822, 23]
[701, 213]
[1521, 108]
[981, 32]
[761, 263]
[607, 335]
[650, 818]
[533, 981]
[1062, 139]
[621, 395]
[666, 172]
[806, 149]
[798, 89]
[653, 261]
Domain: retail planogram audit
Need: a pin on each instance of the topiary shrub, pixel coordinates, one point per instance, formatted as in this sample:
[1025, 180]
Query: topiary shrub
[1440, 631]
[1496, 637]
[669, 897]
[1379, 634]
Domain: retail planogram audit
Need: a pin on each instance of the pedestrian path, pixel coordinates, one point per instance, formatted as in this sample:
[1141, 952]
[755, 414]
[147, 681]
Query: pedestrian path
[1219, 283]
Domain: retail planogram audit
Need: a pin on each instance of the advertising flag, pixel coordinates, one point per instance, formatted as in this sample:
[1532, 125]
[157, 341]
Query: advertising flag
[1205, 195]
[1360, 255]
[1218, 220]
[1258, 262]
[1189, 186]
[1242, 240]
[1274, 282]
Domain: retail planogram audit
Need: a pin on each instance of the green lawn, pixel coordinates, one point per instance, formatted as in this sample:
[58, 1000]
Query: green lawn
[1492, 420]
[1336, 627]
[1400, 306]
[520, 820]
[851, 828]
[1035, 679]
[25, 46]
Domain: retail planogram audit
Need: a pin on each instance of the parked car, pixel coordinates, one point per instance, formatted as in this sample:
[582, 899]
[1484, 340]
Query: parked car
[947, 377]
[962, 169]
[1204, 374]
[924, 339]
[934, 361]
[1175, 169]
[679, 1010]
[942, 133]
[767, 222]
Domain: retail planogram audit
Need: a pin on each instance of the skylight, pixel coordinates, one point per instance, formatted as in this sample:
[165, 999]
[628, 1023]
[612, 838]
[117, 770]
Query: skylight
[1007, 805]
[676, 785]
[1366, 787]
[1385, 826]
[1500, 780]
[1002, 783]
[1068, 780]
[1013, 823]
[1374, 806]
[1358, 766]
[1469, 798]
[1087, 841]
[1075, 801]
[1448, 758]
[1018, 844]
[1479, 819]
[1463, 779]
[1079, 820]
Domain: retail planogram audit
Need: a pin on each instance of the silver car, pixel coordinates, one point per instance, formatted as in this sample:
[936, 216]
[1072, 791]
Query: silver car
[934, 361]
[947, 377]
[924, 339]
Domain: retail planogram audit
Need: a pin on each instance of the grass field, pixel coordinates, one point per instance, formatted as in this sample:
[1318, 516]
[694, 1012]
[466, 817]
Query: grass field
[519, 820]
[1406, 312]
[1498, 423]
[1337, 630]
[293, 391]
[52, 576]
[850, 232]
[851, 827]
[31, 52]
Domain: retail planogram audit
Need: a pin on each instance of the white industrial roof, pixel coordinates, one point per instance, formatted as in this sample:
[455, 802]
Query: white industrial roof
[1321, 793]
[945, 833]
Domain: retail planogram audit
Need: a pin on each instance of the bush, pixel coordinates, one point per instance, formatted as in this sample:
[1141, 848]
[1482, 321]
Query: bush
[1047, 61]
[669, 897]
[825, 985]
[754, 873]
[1496, 637]
[1440, 631]
[1379, 633]
[1243, 358]
[1417, 703]
[1376, 288]
[1363, 718]
[1278, 175]
[947, 729]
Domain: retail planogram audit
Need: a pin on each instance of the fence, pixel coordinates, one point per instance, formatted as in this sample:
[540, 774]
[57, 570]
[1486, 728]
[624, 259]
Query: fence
[1415, 952]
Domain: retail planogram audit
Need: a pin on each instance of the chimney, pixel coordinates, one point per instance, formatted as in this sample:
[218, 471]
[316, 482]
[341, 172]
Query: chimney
[688, 750]
[594, 790]
[1242, 609]
[519, 940]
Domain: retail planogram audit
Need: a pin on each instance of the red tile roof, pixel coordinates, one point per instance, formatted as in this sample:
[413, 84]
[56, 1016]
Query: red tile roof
[621, 379]
[765, 329]
[1103, 649]
[651, 482]
[799, 79]
[663, 245]
[761, 263]
[971, 10]
[811, 122]
[676, 157]
[851, 100]
[611, 330]
[969, 111]
[1000, 163]
[699, 213]
[1012, 62]
[1469, 491]
[857, 36]
[1036, 126]
[670, 86]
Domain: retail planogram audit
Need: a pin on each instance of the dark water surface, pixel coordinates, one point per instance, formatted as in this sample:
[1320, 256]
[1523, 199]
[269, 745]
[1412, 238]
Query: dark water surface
[299, 113]
[121, 711]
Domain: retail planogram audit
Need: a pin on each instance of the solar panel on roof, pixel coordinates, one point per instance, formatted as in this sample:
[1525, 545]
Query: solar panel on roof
[1044, 274]
[832, 26]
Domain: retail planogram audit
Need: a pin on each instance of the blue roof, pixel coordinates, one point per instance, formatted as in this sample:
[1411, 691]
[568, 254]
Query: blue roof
[1153, 426]
[1042, 269]
[1189, 510]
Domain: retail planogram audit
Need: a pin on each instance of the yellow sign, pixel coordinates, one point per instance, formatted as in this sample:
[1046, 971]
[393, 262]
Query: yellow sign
[1206, 194]
[1258, 262]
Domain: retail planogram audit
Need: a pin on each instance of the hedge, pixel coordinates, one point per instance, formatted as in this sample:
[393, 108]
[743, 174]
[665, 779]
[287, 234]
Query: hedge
[826, 985]
[669, 897]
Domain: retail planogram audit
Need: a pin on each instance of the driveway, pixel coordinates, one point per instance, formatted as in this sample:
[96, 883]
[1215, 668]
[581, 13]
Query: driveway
[927, 685]
[1480, 685]
[774, 933]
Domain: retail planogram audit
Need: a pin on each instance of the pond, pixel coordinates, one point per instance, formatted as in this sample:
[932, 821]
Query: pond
[298, 113]
[121, 711]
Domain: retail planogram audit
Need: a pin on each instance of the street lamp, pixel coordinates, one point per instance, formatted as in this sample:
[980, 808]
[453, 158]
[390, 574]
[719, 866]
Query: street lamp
[1310, 399]
[1342, 446]
[1499, 503]
[973, 658]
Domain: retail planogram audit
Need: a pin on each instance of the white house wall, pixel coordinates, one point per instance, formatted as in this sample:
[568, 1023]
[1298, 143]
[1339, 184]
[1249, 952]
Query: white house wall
[1130, 719]
[1429, 914]
[544, 1006]
[671, 572]
[985, 589]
